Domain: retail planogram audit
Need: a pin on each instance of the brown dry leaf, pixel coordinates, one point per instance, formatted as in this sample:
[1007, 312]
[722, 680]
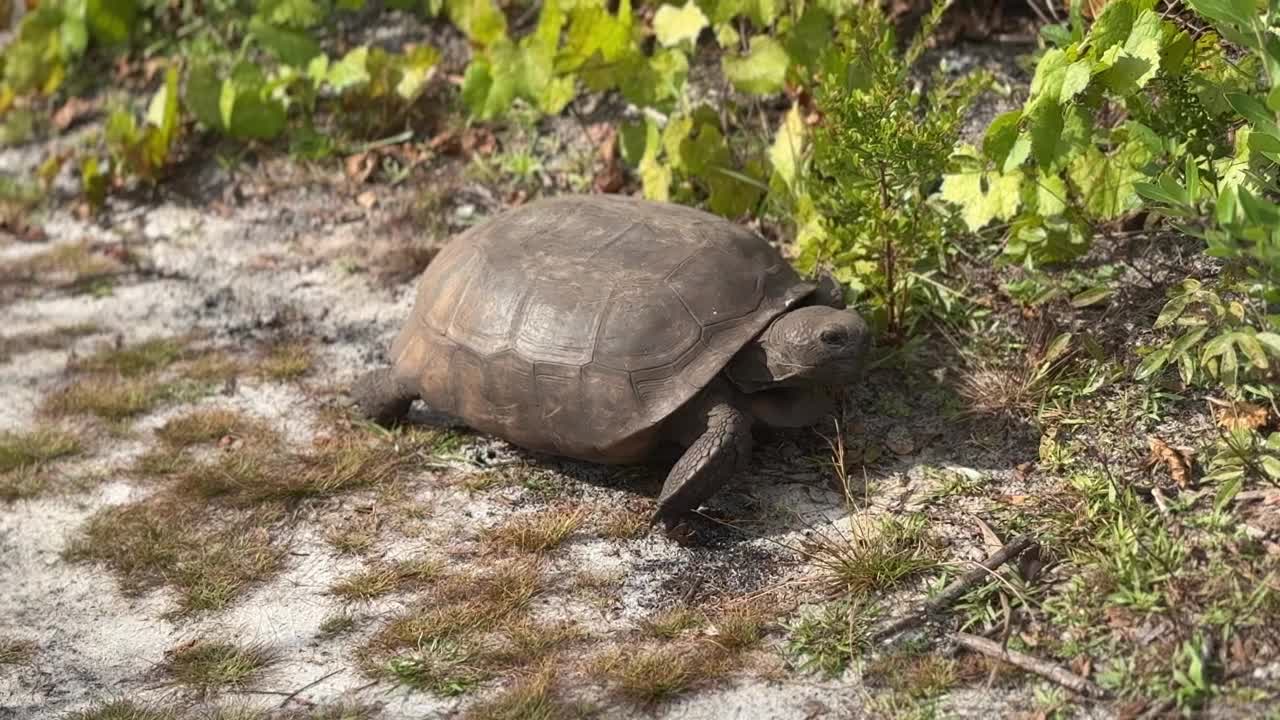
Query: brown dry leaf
[990, 540]
[517, 198]
[610, 178]
[1240, 416]
[479, 141]
[367, 199]
[1082, 665]
[72, 110]
[445, 141]
[360, 166]
[1177, 460]
[1015, 499]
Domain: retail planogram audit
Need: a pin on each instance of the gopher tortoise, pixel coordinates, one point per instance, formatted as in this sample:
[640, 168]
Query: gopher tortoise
[602, 328]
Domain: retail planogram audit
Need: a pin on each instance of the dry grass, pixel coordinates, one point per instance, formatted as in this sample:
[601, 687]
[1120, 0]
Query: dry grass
[107, 398]
[18, 450]
[536, 532]
[124, 710]
[257, 474]
[523, 643]
[137, 360]
[532, 697]
[354, 536]
[16, 652]
[651, 674]
[208, 561]
[741, 626]
[287, 361]
[208, 665]
[53, 339]
[673, 622]
[387, 578]
[64, 264]
[161, 461]
[1014, 388]
[24, 483]
[208, 425]
[214, 367]
[622, 524]
[916, 674]
[335, 625]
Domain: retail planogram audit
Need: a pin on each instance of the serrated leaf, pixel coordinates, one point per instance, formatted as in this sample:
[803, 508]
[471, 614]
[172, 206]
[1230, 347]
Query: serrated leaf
[480, 20]
[1000, 137]
[1049, 76]
[762, 71]
[1112, 25]
[983, 197]
[350, 71]
[1108, 181]
[1139, 58]
[416, 71]
[1075, 79]
[1045, 125]
[674, 26]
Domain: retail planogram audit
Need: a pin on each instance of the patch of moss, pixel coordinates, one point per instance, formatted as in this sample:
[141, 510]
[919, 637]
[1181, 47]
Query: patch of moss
[207, 665]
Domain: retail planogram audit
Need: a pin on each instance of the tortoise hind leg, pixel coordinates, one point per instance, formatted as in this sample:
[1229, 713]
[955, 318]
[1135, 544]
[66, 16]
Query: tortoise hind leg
[382, 396]
[721, 449]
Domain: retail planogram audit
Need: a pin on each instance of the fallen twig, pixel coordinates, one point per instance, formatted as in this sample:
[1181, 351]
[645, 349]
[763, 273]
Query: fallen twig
[308, 686]
[953, 592]
[1043, 668]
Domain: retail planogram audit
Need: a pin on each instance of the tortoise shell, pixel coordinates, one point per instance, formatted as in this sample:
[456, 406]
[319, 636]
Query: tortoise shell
[576, 325]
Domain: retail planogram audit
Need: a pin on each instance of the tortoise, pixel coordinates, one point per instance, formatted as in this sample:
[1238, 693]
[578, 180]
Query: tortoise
[603, 328]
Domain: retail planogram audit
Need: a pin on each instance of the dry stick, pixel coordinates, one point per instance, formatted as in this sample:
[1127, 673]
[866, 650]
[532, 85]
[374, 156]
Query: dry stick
[308, 686]
[956, 589]
[1043, 668]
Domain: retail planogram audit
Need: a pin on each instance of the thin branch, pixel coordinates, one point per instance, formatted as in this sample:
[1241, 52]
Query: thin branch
[953, 592]
[308, 686]
[1043, 668]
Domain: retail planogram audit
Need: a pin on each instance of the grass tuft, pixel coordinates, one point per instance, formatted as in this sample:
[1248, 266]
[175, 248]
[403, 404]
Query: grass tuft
[210, 425]
[383, 579]
[107, 398]
[741, 626]
[921, 675]
[649, 675]
[16, 652]
[337, 624]
[864, 560]
[18, 450]
[53, 339]
[209, 665]
[287, 361]
[439, 666]
[673, 622]
[134, 361]
[164, 542]
[24, 483]
[528, 698]
[259, 474]
[124, 710]
[536, 532]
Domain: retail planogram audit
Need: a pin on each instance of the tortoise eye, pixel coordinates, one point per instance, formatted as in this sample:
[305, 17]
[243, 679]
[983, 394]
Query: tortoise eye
[832, 337]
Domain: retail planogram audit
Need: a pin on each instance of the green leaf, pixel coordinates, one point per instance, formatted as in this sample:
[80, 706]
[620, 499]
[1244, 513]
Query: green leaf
[291, 47]
[1050, 73]
[1271, 341]
[1253, 110]
[351, 70]
[1075, 79]
[1227, 493]
[111, 21]
[1239, 13]
[297, 14]
[1000, 137]
[1045, 124]
[1140, 58]
[983, 197]
[672, 26]
[1152, 364]
[1252, 349]
[1091, 296]
[1264, 142]
[762, 71]
[1107, 182]
[809, 37]
[1112, 25]
[1171, 311]
[788, 148]
[202, 96]
[1271, 466]
[480, 20]
[487, 94]
[416, 71]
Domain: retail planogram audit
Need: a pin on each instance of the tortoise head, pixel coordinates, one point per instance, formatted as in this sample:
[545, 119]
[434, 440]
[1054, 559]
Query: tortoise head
[807, 346]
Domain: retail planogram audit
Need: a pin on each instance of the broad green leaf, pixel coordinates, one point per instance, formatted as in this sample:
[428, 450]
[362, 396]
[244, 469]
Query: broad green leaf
[202, 96]
[1075, 79]
[762, 71]
[810, 36]
[1051, 195]
[111, 21]
[1141, 57]
[416, 71]
[291, 47]
[1254, 110]
[1188, 341]
[1217, 346]
[1112, 25]
[1000, 137]
[1233, 12]
[487, 93]
[673, 26]
[1107, 182]
[297, 14]
[1264, 142]
[1271, 466]
[1045, 124]
[983, 197]
[351, 70]
[1252, 349]
[1050, 73]
[1271, 341]
[1091, 296]
[1176, 52]
[480, 20]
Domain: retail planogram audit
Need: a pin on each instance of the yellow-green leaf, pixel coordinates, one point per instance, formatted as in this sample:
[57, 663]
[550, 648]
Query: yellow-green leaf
[762, 71]
[673, 26]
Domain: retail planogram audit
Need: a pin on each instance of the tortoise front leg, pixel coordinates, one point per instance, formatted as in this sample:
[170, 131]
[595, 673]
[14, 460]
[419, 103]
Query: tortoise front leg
[383, 396]
[717, 452]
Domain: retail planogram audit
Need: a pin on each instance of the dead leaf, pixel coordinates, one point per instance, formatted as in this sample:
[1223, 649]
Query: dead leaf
[1240, 416]
[367, 199]
[990, 540]
[517, 198]
[360, 166]
[1082, 665]
[479, 141]
[72, 110]
[445, 141]
[610, 178]
[1177, 460]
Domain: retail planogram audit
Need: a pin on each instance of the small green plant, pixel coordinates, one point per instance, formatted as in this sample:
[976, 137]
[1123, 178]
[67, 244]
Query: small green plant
[827, 638]
[208, 665]
[875, 161]
[438, 665]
